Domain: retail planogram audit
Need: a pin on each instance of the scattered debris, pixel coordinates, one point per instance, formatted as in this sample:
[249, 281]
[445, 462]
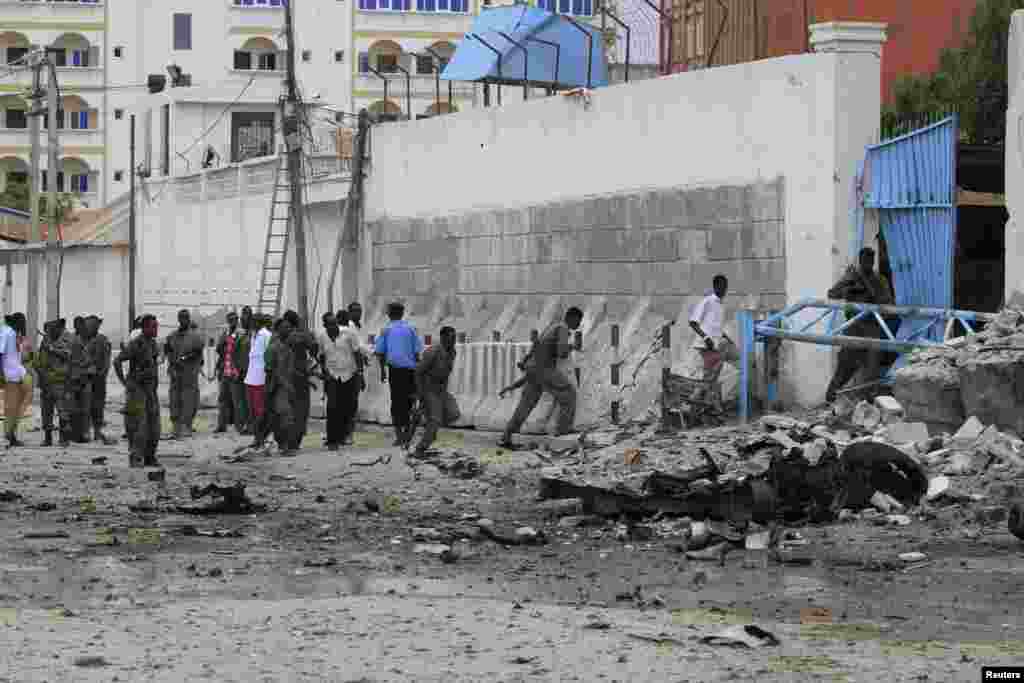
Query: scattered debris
[228, 500]
[913, 557]
[749, 636]
[1015, 520]
[100, 460]
[889, 408]
[91, 661]
[45, 534]
[156, 475]
[9, 497]
[866, 416]
[431, 548]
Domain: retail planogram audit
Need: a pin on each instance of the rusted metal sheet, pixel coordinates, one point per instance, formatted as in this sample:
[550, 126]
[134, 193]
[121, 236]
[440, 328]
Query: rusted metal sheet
[713, 32]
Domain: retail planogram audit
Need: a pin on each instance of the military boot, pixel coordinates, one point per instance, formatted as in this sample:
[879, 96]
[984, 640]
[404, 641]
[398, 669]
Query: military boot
[65, 438]
[99, 437]
[48, 439]
[12, 440]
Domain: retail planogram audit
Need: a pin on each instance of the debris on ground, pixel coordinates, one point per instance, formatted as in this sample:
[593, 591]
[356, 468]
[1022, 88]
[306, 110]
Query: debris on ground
[748, 636]
[91, 661]
[228, 500]
[452, 463]
[9, 497]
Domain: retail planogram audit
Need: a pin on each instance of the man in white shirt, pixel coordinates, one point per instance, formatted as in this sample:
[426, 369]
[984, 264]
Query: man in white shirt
[706, 322]
[18, 382]
[256, 375]
[342, 365]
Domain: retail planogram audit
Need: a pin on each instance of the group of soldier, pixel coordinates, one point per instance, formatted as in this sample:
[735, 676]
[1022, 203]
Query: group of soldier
[72, 369]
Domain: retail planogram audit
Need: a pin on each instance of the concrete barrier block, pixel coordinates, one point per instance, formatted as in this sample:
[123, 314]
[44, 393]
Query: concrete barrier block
[618, 212]
[766, 240]
[693, 245]
[596, 212]
[600, 245]
[540, 218]
[725, 242]
[517, 221]
[699, 207]
[636, 211]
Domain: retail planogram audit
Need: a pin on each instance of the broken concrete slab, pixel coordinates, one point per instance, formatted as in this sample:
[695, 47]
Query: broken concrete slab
[992, 388]
[930, 393]
[1015, 520]
[968, 433]
[937, 487]
[960, 463]
[890, 409]
[906, 432]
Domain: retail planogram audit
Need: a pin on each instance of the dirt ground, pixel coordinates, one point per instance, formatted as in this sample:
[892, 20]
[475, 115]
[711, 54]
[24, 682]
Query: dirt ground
[104, 578]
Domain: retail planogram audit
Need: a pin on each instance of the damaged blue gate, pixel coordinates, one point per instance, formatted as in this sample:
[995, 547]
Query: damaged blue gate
[911, 181]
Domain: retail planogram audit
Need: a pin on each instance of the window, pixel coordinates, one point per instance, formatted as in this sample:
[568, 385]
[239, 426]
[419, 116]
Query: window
[307, 55]
[16, 118]
[16, 53]
[119, 52]
[44, 185]
[182, 31]
[268, 61]
[17, 178]
[80, 183]
[243, 60]
[387, 64]
[118, 114]
[424, 64]
[79, 120]
[364, 63]
[252, 135]
[259, 3]
[339, 56]
[444, 5]
[118, 176]
[579, 8]
[393, 5]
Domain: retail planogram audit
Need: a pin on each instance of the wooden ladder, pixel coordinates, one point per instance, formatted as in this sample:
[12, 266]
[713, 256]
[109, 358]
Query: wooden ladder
[275, 253]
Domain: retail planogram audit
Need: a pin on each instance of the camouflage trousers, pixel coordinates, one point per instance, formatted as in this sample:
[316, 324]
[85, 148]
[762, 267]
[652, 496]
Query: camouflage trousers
[142, 422]
[56, 398]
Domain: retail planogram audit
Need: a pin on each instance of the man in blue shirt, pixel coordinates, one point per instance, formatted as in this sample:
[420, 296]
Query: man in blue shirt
[399, 348]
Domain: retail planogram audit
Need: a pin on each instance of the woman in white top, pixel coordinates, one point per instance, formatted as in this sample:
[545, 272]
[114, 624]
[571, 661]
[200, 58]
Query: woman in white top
[17, 381]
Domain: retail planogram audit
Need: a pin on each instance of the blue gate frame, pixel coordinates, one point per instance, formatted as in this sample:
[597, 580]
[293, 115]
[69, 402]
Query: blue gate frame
[911, 181]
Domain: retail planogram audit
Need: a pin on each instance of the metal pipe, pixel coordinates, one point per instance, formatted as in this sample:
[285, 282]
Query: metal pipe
[131, 224]
[437, 80]
[383, 78]
[526, 62]
[590, 45]
[408, 89]
[608, 12]
[668, 20]
[884, 309]
[495, 51]
[558, 56]
[842, 340]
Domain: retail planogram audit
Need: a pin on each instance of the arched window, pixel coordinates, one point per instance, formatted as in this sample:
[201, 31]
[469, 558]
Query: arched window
[385, 110]
[13, 110]
[439, 108]
[73, 50]
[259, 54]
[74, 113]
[13, 171]
[14, 47]
[384, 56]
[73, 175]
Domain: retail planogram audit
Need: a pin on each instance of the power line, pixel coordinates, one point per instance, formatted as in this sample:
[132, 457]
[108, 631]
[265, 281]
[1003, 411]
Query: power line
[216, 121]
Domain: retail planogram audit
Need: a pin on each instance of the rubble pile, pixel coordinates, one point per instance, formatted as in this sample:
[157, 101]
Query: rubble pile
[980, 375]
[785, 470]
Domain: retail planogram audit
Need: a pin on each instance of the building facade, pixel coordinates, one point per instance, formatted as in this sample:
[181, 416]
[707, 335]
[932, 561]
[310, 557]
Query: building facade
[719, 32]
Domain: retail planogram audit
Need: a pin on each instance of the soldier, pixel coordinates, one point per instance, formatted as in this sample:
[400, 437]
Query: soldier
[281, 375]
[142, 408]
[55, 360]
[184, 351]
[98, 350]
[304, 347]
[79, 384]
[432, 372]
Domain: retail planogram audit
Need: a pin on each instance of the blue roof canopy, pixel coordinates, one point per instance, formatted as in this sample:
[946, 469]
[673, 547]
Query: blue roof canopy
[487, 55]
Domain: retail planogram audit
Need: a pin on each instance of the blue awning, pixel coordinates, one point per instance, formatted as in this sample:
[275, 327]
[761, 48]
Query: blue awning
[486, 55]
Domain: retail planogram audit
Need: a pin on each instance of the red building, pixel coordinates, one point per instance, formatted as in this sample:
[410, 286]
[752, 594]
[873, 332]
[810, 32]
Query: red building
[719, 32]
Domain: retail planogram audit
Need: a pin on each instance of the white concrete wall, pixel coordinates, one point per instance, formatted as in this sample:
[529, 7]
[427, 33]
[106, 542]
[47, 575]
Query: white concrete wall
[804, 118]
[1015, 166]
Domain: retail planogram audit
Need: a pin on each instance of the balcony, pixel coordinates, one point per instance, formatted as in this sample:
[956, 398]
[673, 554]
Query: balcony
[53, 10]
[435, 22]
[421, 86]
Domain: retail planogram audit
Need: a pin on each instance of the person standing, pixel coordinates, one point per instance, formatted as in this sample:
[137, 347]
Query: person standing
[281, 374]
[142, 406]
[99, 351]
[17, 380]
[355, 318]
[342, 365]
[56, 355]
[230, 387]
[303, 344]
[244, 343]
[543, 375]
[398, 349]
[184, 351]
[860, 284]
[432, 373]
[706, 320]
[256, 378]
[79, 384]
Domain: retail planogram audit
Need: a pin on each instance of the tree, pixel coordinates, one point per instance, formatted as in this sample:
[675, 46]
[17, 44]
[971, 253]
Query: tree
[970, 80]
[17, 196]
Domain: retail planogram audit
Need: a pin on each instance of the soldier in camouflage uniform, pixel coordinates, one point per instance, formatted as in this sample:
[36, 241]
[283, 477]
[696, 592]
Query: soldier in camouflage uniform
[142, 407]
[81, 387]
[98, 349]
[54, 365]
[280, 365]
[184, 351]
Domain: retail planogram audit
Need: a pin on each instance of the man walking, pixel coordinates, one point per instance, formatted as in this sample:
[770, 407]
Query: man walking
[432, 373]
[706, 321]
[230, 387]
[17, 380]
[99, 351]
[256, 378]
[342, 365]
[398, 349]
[303, 344]
[142, 407]
[860, 284]
[184, 351]
[543, 375]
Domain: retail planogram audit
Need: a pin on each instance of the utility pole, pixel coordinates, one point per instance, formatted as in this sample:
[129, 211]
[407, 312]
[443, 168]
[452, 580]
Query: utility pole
[52, 266]
[131, 226]
[293, 141]
[32, 312]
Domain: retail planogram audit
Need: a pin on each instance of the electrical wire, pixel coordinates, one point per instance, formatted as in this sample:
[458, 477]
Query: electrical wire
[216, 121]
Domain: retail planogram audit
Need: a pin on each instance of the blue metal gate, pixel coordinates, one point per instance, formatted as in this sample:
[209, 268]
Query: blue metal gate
[911, 180]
